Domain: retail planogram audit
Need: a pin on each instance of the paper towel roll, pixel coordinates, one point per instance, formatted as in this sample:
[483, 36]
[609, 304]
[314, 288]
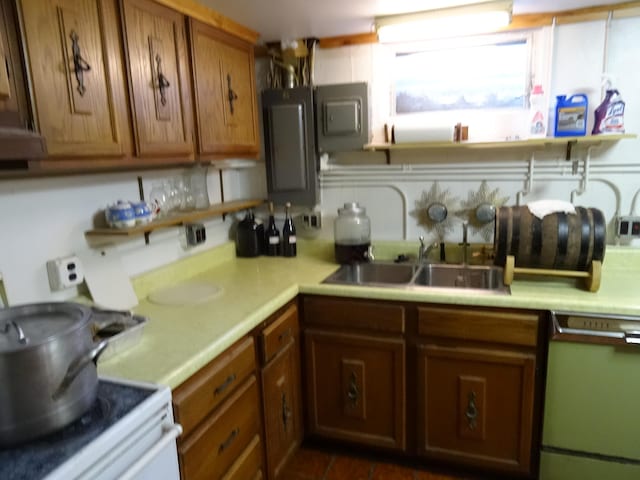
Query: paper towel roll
[415, 134]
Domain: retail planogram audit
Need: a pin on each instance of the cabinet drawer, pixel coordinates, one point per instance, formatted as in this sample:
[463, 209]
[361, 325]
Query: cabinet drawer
[248, 466]
[204, 391]
[278, 335]
[513, 328]
[214, 446]
[373, 316]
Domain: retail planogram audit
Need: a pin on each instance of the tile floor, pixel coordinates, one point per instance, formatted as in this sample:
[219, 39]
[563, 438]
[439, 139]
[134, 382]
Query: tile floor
[312, 463]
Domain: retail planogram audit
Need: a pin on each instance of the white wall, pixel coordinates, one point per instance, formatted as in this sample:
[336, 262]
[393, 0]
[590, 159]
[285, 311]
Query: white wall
[45, 218]
[577, 58]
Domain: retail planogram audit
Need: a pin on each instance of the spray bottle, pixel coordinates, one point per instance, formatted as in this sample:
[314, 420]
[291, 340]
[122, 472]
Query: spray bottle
[609, 116]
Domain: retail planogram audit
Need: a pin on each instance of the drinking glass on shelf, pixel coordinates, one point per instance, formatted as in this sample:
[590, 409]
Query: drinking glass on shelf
[173, 194]
[158, 199]
[198, 180]
[186, 197]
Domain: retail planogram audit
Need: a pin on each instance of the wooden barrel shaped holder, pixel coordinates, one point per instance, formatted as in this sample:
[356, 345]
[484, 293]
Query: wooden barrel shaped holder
[560, 244]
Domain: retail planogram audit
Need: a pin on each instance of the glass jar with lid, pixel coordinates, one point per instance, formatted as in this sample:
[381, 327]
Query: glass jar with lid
[352, 234]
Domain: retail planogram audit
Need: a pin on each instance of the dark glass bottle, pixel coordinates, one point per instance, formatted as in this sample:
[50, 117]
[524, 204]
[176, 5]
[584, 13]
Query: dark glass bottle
[289, 241]
[272, 235]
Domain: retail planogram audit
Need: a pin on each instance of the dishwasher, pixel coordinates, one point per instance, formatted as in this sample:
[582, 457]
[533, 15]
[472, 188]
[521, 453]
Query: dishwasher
[592, 400]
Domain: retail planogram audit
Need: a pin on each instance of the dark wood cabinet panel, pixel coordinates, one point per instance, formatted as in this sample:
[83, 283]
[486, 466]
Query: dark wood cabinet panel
[73, 49]
[159, 78]
[282, 408]
[225, 92]
[356, 388]
[476, 406]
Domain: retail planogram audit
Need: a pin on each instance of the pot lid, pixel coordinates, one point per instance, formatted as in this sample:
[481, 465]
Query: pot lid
[25, 326]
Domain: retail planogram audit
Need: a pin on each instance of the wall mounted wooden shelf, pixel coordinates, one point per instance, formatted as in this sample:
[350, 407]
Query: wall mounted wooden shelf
[568, 142]
[109, 235]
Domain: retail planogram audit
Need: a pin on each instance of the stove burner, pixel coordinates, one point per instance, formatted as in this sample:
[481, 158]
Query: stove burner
[36, 459]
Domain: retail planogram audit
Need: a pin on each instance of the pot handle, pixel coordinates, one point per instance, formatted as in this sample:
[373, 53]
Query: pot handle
[77, 365]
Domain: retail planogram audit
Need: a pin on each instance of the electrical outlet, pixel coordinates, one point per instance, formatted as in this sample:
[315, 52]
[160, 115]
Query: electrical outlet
[64, 272]
[312, 220]
[196, 234]
[628, 227]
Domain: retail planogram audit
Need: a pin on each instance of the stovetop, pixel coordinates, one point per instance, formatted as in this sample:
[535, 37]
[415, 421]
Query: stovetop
[35, 459]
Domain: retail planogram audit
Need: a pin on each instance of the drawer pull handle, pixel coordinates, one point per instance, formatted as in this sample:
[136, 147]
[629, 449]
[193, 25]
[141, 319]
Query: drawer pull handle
[232, 436]
[284, 335]
[352, 392]
[286, 412]
[472, 411]
[224, 385]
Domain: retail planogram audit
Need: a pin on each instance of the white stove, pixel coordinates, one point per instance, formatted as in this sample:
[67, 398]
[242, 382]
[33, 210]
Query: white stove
[128, 433]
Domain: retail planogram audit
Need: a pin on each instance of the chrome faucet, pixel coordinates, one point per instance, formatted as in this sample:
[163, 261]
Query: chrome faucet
[464, 244]
[425, 250]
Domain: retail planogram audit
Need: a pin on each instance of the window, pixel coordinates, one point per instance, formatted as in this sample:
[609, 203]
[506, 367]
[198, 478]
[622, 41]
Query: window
[478, 74]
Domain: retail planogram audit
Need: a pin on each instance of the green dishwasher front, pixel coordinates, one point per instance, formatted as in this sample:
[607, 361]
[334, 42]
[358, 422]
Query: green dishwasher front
[591, 421]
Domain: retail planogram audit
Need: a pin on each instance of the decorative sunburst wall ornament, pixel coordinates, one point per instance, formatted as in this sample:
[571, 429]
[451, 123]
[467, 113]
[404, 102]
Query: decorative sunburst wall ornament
[479, 209]
[433, 211]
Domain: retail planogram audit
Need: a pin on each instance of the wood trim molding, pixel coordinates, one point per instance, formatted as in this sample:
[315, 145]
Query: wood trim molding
[518, 22]
[193, 9]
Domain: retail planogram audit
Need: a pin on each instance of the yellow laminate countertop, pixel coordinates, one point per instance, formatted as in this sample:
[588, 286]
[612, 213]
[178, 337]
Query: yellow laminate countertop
[178, 340]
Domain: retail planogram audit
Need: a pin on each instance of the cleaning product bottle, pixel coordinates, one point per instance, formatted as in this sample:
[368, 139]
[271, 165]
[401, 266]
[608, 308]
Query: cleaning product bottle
[609, 116]
[571, 115]
[537, 113]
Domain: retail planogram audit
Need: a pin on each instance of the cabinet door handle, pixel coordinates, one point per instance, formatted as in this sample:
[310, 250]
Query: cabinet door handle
[232, 436]
[224, 385]
[163, 83]
[231, 95]
[286, 412]
[472, 411]
[352, 392]
[80, 65]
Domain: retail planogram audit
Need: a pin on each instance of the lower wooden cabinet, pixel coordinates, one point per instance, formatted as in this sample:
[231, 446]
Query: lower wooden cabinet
[219, 409]
[477, 387]
[458, 385]
[355, 371]
[281, 389]
[476, 406]
[355, 388]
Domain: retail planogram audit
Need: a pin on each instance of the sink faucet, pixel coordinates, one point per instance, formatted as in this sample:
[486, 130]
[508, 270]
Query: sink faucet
[425, 250]
[464, 243]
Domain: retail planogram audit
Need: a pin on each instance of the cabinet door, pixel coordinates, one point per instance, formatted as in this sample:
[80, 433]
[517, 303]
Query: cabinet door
[159, 79]
[282, 409]
[73, 55]
[225, 92]
[355, 388]
[476, 406]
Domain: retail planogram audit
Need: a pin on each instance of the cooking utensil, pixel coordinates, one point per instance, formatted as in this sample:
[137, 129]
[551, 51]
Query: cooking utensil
[47, 367]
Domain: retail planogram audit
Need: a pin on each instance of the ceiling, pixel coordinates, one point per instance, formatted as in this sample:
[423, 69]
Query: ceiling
[289, 19]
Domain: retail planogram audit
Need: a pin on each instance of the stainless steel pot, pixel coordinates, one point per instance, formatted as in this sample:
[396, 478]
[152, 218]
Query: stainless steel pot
[48, 375]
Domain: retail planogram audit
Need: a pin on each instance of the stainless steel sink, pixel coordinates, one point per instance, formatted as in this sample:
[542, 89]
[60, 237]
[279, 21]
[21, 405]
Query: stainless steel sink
[487, 279]
[457, 276]
[378, 273]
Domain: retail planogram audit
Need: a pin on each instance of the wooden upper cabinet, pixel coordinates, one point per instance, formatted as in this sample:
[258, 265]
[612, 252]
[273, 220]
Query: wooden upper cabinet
[225, 92]
[73, 56]
[159, 78]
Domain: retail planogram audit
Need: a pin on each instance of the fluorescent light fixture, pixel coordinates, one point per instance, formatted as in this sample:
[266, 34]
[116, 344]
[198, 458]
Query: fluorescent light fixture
[445, 22]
